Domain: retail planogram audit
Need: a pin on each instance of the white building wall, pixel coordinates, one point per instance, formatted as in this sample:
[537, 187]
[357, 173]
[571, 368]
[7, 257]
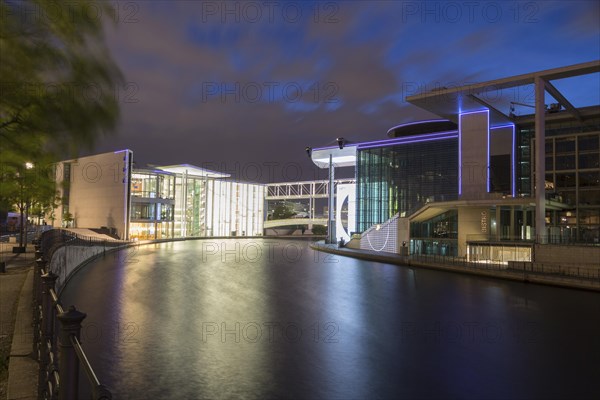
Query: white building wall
[98, 192]
[345, 194]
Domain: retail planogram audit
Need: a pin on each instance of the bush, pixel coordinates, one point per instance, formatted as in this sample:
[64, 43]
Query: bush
[319, 230]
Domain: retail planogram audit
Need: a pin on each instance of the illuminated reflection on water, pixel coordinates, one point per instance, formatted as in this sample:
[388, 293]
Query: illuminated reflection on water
[273, 319]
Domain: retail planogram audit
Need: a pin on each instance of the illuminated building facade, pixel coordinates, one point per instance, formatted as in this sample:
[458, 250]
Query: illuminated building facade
[156, 203]
[464, 184]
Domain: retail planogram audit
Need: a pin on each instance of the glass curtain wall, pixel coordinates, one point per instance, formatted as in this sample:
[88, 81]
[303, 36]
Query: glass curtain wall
[153, 196]
[401, 178]
[214, 207]
[436, 236]
[235, 209]
[573, 177]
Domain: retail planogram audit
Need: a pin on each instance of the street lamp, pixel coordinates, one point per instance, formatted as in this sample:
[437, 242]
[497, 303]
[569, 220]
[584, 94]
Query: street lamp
[330, 201]
[22, 209]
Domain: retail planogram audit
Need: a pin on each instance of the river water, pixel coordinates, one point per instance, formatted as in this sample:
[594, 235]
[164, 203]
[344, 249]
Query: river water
[267, 318]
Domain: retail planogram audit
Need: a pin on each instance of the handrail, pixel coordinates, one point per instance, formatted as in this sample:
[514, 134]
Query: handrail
[53, 239]
[56, 301]
[84, 360]
[381, 225]
[59, 353]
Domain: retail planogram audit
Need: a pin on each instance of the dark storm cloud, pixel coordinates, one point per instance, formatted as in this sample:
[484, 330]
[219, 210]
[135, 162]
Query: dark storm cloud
[207, 107]
[219, 89]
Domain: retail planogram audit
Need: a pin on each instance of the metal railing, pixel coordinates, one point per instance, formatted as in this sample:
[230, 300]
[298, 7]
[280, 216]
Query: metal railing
[56, 343]
[585, 274]
[539, 239]
[52, 240]
[567, 240]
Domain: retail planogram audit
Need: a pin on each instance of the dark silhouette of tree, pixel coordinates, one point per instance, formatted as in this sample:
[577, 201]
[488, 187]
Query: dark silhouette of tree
[57, 87]
[319, 230]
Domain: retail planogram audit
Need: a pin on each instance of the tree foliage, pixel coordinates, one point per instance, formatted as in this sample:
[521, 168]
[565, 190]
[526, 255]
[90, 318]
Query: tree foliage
[283, 211]
[57, 85]
[30, 190]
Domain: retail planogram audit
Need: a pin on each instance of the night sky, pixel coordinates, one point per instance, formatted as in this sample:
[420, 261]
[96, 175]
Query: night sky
[244, 87]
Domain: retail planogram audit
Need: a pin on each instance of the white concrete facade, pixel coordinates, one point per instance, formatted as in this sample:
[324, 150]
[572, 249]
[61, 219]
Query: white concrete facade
[95, 192]
[103, 190]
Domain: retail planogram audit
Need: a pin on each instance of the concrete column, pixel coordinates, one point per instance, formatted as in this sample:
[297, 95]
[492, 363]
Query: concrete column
[498, 221]
[540, 160]
[525, 222]
[331, 228]
[512, 230]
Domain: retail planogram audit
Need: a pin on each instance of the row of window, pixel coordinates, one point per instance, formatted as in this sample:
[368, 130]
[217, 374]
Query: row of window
[589, 197]
[153, 185]
[399, 179]
[564, 162]
[587, 179]
[152, 211]
[568, 145]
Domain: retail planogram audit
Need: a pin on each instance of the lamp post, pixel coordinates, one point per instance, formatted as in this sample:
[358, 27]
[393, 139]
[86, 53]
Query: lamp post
[331, 199]
[22, 208]
[331, 223]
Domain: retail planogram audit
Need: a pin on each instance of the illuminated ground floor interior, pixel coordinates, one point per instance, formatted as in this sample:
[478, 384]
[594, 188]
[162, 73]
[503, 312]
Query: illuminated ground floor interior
[498, 253]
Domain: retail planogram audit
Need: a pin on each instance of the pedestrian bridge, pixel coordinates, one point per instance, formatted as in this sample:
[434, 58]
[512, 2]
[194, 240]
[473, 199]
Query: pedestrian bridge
[308, 190]
[294, 221]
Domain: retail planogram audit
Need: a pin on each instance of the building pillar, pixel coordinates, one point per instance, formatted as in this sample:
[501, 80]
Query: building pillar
[498, 223]
[331, 217]
[540, 160]
[513, 228]
[525, 222]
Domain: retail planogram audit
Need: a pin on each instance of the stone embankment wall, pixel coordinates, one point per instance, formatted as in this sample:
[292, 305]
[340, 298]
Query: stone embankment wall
[68, 259]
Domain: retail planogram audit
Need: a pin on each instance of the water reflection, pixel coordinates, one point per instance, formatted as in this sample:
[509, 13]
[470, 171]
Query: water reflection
[273, 319]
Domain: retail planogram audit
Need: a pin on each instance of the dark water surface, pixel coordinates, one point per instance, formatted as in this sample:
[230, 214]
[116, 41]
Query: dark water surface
[273, 319]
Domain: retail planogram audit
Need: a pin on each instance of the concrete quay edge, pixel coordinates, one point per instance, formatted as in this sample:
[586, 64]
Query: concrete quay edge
[394, 259]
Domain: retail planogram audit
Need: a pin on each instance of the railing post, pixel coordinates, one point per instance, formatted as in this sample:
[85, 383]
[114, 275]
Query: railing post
[68, 363]
[37, 301]
[47, 326]
[101, 392]
[39, 264]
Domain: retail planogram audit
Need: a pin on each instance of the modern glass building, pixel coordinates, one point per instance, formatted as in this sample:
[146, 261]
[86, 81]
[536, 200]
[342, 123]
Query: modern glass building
[156, 203]
[152, 204]
[398, 176]
[572, 173]
[465, 184]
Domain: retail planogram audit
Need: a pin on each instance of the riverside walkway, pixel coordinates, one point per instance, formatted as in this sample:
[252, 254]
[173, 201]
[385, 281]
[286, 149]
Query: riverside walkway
[18, 367]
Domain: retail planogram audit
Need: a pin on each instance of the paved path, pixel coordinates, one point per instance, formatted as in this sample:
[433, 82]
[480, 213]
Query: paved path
[16, 260]
[18, 370]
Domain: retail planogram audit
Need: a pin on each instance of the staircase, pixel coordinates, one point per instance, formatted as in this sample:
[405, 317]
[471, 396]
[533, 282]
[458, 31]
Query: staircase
[381, 237]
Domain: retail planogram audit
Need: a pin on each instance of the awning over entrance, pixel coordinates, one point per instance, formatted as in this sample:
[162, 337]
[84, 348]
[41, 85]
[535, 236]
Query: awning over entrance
[431, 210]
[345, 157]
